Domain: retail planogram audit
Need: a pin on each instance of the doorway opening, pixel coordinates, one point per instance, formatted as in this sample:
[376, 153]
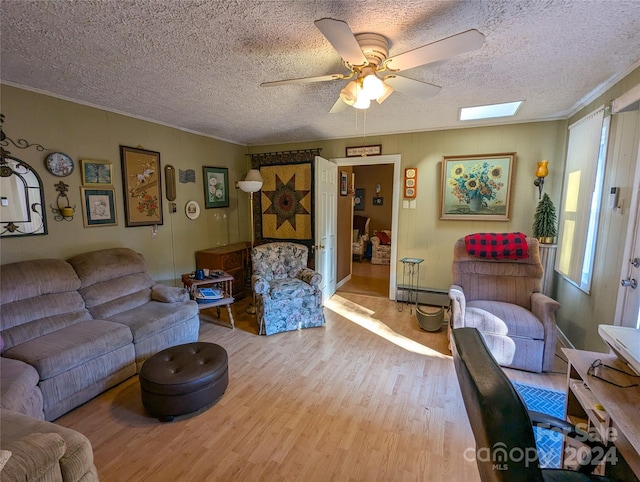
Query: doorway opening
[377, 180]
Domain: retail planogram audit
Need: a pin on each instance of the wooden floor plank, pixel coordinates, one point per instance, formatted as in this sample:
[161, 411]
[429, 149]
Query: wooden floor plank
[373, 398]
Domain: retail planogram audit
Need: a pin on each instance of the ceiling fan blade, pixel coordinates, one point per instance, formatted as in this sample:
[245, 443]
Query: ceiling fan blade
[339, 106]
[304, 80]
[340, 36]
[442, 49]
[412, 87]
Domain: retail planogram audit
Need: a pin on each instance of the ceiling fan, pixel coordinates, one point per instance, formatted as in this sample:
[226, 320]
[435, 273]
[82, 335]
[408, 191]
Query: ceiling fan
[367, 54]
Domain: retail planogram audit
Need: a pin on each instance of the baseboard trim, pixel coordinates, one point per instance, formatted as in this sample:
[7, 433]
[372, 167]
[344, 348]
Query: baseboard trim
[562, 338]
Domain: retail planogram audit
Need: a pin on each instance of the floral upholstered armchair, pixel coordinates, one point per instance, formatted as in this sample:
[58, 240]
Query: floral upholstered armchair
[381, 247]
[287, 293]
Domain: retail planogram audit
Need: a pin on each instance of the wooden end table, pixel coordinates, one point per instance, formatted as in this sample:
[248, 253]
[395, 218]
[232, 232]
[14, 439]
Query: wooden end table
[223, 282]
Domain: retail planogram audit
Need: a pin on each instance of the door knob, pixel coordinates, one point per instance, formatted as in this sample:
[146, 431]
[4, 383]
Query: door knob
[635, 262]
[631, 282]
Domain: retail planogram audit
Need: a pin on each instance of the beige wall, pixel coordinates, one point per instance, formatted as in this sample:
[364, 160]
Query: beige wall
[88, 133]
[367, 177]
[581, 313]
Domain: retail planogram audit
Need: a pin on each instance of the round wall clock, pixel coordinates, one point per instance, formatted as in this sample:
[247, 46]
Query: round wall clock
[59, 164]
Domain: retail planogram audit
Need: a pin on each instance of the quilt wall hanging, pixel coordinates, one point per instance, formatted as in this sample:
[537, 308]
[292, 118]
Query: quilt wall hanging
[285, 211]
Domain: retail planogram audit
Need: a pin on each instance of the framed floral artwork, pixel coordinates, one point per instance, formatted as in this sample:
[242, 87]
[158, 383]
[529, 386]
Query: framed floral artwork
[216, 187]
[142, 186]
[477, 187]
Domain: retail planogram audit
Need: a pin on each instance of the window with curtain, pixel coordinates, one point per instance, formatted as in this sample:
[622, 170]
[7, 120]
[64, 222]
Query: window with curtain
[582, 198]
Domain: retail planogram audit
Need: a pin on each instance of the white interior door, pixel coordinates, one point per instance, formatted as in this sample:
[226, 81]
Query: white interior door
[326, 211]
[628, 302]
[629, 291]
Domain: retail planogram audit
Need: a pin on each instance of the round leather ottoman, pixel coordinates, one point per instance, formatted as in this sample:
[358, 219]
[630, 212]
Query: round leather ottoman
[183, 378]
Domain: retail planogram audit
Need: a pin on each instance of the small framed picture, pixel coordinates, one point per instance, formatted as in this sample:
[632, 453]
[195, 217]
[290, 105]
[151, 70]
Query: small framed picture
[216, 187]
[377, 201]
[344, 183]
[358, 200]
[98, 207]
[96, 173]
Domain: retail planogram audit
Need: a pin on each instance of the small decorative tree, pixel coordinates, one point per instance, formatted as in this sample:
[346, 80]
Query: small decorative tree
[544, 221]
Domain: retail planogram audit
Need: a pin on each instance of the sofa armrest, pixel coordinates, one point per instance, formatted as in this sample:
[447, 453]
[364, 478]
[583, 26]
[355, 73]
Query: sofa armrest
[168, 294]
[309, 276]
[544, 309]
[458, 306]
[375, 241]
[35, 456]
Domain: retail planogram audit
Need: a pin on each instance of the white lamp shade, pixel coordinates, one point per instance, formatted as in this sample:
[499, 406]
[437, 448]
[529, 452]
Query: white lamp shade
[388, 90]
[372, 86]
[363, 102]
[249, 186]
[252, 182]
[350, 93]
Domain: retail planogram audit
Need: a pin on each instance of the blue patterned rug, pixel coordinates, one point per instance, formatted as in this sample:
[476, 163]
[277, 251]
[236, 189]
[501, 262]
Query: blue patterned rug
[551, 402]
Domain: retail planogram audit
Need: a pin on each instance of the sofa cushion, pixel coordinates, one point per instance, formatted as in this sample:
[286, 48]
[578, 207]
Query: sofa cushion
[503, 319]
[289, 288]
[38, 297]
[154, 317]
[76, 462]
[113, 281]
[19, 388]
[35, 456]
[69, 347]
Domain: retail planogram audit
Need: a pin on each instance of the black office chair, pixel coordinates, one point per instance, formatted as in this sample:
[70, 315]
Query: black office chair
[502, 426]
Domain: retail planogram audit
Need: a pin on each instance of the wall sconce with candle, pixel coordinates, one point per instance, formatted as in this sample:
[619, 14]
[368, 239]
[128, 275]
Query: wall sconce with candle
[541, 173]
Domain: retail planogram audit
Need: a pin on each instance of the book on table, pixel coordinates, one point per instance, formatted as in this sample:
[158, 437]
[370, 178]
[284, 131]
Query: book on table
[207, 295]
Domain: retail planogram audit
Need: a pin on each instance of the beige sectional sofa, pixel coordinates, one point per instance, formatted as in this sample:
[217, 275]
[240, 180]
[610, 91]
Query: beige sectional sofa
[72, 329]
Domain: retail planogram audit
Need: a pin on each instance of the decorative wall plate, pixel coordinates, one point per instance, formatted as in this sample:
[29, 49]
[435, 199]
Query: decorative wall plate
[59, 164]
[192, 209]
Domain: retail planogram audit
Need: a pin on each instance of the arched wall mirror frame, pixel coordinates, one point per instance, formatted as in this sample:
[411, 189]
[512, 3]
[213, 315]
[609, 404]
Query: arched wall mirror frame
[22, 210]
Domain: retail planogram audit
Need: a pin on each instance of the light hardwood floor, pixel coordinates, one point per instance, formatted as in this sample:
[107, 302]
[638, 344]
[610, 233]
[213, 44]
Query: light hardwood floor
[368, 397]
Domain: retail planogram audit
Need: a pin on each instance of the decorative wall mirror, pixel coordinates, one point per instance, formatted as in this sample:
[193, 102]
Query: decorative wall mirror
[21, 200]
[22, 210]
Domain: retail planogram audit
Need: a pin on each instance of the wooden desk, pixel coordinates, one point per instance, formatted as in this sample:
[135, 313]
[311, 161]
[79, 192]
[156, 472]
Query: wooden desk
[621, 416]
[224, 282]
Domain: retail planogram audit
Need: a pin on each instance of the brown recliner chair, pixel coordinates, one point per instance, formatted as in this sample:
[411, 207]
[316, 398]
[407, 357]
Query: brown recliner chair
[502, 298]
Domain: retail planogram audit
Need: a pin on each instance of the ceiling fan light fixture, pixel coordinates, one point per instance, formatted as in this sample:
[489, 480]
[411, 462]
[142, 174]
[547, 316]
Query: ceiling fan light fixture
[349, 94]
[362, 103]
[386, 92]
[372, 85]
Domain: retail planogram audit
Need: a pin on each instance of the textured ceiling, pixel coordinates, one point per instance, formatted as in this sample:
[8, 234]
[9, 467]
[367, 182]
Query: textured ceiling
[198, 64]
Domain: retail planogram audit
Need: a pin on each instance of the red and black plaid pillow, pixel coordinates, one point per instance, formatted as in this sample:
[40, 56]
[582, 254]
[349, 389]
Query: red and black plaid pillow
[497, 245]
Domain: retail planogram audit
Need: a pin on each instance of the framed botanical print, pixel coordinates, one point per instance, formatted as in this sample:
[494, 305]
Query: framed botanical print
[216, 187]
[142, 186]
[477, 187]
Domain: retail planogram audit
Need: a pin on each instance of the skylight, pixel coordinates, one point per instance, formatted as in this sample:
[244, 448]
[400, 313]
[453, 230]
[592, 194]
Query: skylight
[490, 111]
